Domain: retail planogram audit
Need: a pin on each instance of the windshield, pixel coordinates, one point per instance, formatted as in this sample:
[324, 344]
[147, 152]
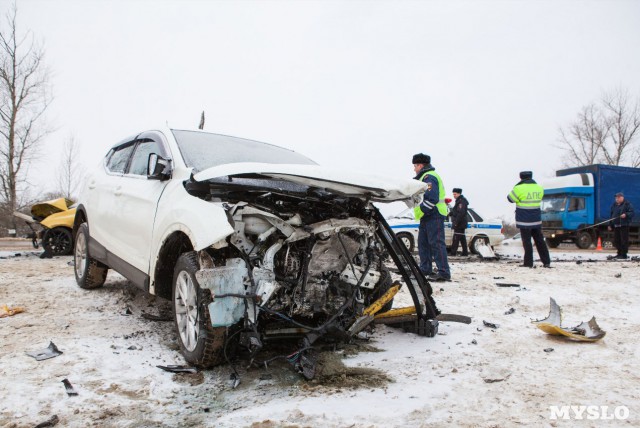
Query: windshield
[553, 204]
[201, 150]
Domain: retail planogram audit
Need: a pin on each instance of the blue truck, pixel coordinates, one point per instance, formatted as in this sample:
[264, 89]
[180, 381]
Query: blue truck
[577, 204]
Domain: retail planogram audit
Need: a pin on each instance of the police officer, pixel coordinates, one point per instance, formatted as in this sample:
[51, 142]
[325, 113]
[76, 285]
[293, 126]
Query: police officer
[459, 222]
[621, 215]
[527, 195]
[431, 214]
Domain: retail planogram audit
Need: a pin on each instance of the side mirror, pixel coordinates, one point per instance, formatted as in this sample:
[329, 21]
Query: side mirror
[156, 167]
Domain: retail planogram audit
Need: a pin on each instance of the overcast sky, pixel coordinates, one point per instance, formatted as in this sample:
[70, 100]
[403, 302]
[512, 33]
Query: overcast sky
[481, 86]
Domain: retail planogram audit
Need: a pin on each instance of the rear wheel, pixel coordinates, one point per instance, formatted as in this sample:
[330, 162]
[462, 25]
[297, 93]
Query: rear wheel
[477, 242]
[58, 241]
[201, 344]
[89, 272]
[407, 240]
[584, 240]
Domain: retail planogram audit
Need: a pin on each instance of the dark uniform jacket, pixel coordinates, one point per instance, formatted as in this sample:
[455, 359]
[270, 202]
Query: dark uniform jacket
[617, 210]
[459, 213]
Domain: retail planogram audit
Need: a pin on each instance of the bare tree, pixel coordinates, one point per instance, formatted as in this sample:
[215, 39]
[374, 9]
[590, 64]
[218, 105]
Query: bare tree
[623, 119]
[70, 172]
[24, 97]
[583, 140]
[606, 132]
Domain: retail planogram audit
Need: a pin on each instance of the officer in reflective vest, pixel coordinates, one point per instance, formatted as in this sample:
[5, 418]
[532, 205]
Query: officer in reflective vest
[431, 213]
[527, 195]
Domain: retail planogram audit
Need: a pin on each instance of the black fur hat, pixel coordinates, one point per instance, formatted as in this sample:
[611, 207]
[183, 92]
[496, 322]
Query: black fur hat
[524, 175]
[457, 190]
[421, 158]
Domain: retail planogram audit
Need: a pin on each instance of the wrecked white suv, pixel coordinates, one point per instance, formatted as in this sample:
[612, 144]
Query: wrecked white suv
[250, 241]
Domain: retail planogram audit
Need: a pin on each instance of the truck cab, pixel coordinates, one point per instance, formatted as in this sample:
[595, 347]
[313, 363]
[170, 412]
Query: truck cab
[568, 209]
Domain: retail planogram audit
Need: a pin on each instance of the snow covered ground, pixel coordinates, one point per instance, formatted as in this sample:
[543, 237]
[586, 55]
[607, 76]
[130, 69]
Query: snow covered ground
[468, 375]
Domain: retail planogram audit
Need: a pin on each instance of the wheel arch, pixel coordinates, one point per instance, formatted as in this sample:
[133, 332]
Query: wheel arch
[173, 246]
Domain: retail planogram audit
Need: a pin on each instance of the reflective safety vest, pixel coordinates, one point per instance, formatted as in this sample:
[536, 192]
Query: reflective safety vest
[527, 197]
[441, 205]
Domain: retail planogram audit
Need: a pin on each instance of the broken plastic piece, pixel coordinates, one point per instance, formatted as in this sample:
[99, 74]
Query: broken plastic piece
[178, 369]
[235, 380]
[69, 388]
[490, 324]
[583, 332]
[485, 251]
[548, 349]
[152, 317]
[51, 422]
[510, 311]
[44, 354]
[6, 311]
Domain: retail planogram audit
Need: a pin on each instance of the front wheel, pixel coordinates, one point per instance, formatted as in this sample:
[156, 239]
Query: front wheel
[552, 243]
[58, 241]
[89, 272]
[201, 344]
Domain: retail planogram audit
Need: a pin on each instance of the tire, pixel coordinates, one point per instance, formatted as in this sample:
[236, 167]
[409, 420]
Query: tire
[407, 240]
[201, 344]
[552, 243]
[58, 241]
[584, 240]
[89, 272]
[476, 242]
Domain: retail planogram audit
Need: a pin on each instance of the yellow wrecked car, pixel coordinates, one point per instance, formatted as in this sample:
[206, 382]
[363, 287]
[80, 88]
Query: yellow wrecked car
[56, 217]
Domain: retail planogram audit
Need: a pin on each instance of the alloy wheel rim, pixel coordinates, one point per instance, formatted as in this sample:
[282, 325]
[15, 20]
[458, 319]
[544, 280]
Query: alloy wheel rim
[80, 258]
[186, 308]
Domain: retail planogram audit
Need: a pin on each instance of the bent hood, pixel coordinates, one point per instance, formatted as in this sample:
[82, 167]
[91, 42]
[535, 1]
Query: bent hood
[378, 188]
[45, 209]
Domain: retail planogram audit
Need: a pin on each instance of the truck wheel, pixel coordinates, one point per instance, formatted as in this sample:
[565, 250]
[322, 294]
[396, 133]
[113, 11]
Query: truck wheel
[200, 343]
[552, 243]
[407, 240]
[89, 272]
[58, 241]
[584, 240]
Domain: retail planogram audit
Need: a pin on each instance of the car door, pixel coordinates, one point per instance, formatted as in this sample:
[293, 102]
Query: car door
[99, 196]
[136, 199]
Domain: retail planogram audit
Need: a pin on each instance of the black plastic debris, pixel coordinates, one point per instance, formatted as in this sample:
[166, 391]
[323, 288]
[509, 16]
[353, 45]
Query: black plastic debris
[44, 354]
[474, 342]
[510, 311]
[490, 324]
[506, 284]
[618, 275]
[69, 388]
[498, 277]
[548, 349]
[51, 422]
[178, 369]
[152, 317]
[235, 380]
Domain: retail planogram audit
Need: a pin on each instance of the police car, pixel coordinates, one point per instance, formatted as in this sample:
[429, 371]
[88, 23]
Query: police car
[478, 231]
